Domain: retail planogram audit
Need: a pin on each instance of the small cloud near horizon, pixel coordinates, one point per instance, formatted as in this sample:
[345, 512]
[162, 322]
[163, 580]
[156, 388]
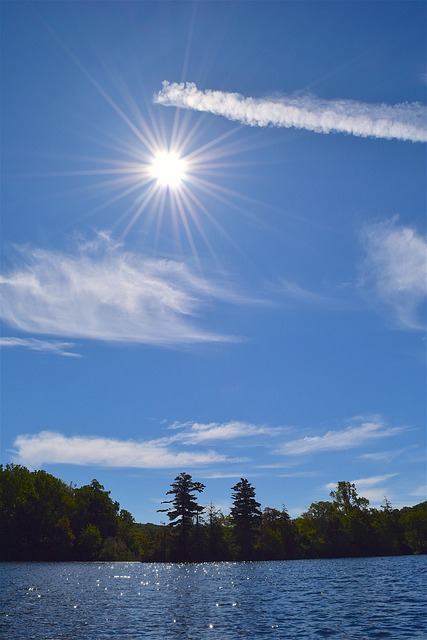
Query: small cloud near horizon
[47, 447]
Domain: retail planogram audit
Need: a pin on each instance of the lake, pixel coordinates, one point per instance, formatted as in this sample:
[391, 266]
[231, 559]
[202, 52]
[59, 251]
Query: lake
[345, 598]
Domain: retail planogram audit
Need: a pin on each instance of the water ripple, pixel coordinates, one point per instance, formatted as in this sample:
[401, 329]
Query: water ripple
[345, 599]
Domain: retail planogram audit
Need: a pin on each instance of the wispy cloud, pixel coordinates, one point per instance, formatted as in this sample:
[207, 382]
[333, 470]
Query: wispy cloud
[104, 293]
[220, 475]
[396, 268]
[337, 297]
[348, 438]
[299, 293]
[368, 487]
[365, 482]
[47, 447]
[164, 452]
[376, 495]
[49, 346]
[298, 474]
[401, 121]
[420, 491]
[385, 456]
[197, 433]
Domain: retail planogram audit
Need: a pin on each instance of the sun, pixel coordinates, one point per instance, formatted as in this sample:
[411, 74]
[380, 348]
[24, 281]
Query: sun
[168, 168]
[164, 177]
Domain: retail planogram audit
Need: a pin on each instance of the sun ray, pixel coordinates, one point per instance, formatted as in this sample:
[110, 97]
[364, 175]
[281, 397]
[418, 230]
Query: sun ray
[148, 196]
[220, 193]
[187, 229]
[197, 202]
[159, 218]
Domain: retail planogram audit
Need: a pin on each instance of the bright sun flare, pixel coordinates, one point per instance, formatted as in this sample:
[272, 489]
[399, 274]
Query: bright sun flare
[168, 169]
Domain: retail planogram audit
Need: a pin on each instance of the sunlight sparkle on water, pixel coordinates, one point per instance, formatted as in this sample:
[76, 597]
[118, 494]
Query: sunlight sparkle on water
[168, 169]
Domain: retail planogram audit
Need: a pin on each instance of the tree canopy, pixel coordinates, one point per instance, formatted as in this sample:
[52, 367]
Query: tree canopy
[43, 518]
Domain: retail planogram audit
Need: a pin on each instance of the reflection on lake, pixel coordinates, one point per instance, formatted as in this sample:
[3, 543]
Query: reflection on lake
[344, 598]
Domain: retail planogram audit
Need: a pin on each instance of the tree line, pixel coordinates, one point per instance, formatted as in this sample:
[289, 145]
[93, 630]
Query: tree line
[43, 518]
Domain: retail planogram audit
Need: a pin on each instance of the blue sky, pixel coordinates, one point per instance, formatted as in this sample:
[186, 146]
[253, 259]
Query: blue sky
[266, 317]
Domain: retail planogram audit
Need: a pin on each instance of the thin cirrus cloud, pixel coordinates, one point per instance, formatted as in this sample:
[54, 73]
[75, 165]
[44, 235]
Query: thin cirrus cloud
[353, 436]
[385, 456]
[104, 293]
[366, 482]
[395, 268]
[405, 121]
[368, 486]
[298, 474]
[198, 433]
[295, 291]
[48, 346]
[420, 491]
[47, 447]
[219, 475]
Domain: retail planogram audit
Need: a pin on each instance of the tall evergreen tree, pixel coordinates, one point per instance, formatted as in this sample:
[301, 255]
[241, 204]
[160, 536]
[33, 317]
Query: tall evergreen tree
[185, 510]
[246, 517]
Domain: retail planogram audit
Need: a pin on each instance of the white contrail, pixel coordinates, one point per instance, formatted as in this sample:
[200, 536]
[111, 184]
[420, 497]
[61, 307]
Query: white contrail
[406, 121]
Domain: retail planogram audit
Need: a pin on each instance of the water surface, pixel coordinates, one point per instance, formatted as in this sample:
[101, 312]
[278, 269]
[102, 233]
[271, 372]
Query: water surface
[353, 598]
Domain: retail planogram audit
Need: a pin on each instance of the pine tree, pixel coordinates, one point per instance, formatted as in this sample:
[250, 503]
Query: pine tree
[246, 517]
[185, 511]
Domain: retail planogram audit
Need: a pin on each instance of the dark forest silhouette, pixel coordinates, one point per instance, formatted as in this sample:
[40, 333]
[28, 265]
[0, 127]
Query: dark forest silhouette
[42, 518]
